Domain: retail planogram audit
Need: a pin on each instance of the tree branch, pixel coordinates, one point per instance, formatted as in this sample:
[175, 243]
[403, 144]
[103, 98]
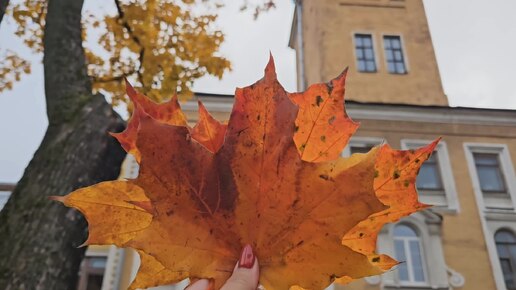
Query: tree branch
[67, 85]
[123, 21]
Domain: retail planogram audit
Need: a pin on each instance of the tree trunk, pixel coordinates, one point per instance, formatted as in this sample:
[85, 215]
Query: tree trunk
[39, 237]
[3, 7]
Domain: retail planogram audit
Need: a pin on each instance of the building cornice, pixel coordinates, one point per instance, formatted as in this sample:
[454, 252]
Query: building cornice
[390, 112]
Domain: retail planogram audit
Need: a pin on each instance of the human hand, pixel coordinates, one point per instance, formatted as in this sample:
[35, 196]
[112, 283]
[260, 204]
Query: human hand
[245, 274]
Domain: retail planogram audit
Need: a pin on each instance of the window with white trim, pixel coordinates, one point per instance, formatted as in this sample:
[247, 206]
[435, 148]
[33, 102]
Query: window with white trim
[416, 242]
[492, 174]
[435, 183]
[489, 173]
[407, 250]
[361, 145]
[506, 249]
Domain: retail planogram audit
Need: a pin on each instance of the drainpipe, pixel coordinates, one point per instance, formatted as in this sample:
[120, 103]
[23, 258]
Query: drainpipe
[300, 45]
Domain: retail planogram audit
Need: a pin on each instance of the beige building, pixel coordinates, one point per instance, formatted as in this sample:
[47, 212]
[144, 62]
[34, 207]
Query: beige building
[468, 240]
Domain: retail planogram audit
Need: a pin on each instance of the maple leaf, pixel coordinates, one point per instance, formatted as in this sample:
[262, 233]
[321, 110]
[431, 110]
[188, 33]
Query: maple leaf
[272, 177]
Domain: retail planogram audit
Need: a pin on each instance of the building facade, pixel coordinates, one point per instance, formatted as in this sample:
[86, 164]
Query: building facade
[468, 239]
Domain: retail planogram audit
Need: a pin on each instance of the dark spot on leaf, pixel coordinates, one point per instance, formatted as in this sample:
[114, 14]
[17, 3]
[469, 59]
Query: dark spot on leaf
[324, 176]
[376, 173]
[318, 100]
[295, 202]
[396, 174]
[302, 147]
[375, 259]
[406, 183]
[361, 235]
[323, 138]
[258, 118]
[417, 160]
[300, 243]
[331, 120]
[296, 128]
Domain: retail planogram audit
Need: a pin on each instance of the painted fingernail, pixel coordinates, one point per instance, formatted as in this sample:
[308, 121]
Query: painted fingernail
[246, 258]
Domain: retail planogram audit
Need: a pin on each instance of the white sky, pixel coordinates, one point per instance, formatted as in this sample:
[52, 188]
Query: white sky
[475, 43]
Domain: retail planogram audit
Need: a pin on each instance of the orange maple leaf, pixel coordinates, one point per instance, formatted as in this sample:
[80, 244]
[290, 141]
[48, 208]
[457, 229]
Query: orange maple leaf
[272, 177]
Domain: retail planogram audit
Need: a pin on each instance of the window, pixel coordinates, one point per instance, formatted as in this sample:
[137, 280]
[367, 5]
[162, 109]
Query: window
[492, 174]
[407, 249]
[365, 53]
[416, 241]
[506, 248]
[361, 145]
[394, 54]
[362, 148]
[489, 174]
[429, 178]
[91, 273]
[435, 183]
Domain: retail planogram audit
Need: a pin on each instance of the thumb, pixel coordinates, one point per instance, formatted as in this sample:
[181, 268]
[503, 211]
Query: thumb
[246, 272]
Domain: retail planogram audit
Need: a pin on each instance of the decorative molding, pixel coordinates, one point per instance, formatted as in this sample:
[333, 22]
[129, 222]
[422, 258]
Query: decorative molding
[391, 112]
[113, 270]
[130, 168]
[427, 115]
[456, 279]
[427, 224]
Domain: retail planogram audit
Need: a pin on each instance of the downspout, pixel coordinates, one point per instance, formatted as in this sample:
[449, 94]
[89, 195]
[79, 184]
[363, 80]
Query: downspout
[300, 45]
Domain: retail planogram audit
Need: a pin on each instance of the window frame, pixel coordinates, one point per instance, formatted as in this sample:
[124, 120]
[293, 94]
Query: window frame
[493, 225]
[438, 275]
[498, 167]
[361, 142]
[511, 260]
[496, 203]
[451, 204]
[93, 252]
[406, 247]
[403, 53]
[373, 47]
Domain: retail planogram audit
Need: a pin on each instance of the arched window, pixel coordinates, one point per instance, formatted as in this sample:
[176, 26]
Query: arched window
[506, 248]
[407, 249]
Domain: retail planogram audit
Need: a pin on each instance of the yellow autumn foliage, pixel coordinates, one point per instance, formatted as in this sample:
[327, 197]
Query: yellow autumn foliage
[162, 46]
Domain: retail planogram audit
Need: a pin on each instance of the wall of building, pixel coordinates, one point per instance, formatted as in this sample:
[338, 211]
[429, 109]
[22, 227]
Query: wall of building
[461, 233]
[328, 29]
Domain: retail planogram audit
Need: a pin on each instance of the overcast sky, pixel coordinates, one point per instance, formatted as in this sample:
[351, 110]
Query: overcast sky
[475, 43]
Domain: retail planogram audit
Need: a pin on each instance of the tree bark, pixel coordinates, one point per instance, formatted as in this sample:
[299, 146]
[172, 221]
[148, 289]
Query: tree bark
[3, 7]
[39, 237]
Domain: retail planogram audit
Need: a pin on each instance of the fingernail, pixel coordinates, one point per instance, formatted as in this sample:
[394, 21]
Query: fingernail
[246, 258]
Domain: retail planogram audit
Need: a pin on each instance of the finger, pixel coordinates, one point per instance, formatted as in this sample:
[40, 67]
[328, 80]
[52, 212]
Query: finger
[246, 273]
[201, 284]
